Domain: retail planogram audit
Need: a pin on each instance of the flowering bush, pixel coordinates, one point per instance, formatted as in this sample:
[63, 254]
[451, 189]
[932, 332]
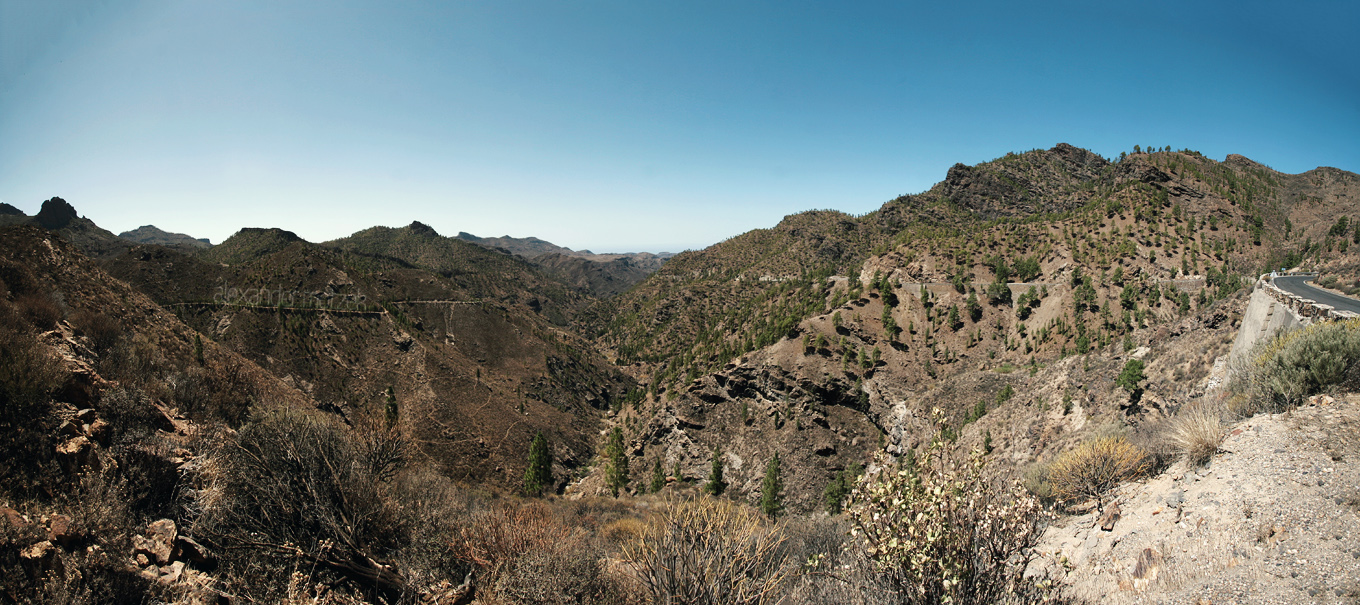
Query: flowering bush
[938, 532]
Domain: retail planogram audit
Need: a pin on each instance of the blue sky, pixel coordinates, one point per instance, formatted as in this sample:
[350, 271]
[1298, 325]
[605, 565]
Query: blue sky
[616, 126]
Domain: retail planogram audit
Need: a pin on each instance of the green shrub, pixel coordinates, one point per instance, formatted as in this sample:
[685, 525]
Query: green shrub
[616, 462]
[1130, 376]
[1282, 372]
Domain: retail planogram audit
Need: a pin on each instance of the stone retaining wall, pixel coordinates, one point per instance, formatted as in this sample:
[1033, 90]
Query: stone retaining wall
[1306, 309]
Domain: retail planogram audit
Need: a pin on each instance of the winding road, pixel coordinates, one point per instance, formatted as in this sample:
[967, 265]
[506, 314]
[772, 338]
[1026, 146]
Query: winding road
[1298, 284]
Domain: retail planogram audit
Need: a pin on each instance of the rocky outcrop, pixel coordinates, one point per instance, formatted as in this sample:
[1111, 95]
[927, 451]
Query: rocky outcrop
[55, 214]
[1020, 184]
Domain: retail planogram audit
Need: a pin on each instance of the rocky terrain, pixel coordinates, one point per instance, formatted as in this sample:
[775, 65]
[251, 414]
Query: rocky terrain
[1272, 518]
[1022, 307]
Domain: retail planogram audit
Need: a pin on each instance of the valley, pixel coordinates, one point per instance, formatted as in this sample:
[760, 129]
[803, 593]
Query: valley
[1016, 312]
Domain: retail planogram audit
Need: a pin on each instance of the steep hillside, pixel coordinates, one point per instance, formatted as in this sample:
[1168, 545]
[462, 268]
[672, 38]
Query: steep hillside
[599, 278]
[600, 275]
[758, 335]
[467, 354]
[106, 401]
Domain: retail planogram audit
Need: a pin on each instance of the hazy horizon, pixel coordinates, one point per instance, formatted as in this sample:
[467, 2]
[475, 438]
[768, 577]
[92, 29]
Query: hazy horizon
[623, 127]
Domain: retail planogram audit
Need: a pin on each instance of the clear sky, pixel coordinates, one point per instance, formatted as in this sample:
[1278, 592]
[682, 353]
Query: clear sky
[632, 125]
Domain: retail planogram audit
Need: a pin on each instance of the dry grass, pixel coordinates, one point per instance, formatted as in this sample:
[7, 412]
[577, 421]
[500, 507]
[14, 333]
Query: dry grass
[710, 551]
[1092, 468]
[1196, 432]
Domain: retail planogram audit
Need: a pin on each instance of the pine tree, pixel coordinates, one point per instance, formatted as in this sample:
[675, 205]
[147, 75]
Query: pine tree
[616, 463]
[772, 490]
[658, 477]
[716, 485]
[538, 476]
[390, 412]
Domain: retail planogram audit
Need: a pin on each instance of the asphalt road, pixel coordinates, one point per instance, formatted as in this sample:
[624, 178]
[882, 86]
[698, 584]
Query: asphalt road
[1297, 284]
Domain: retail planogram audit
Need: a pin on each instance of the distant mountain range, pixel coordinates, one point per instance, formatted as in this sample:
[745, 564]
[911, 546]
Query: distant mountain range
[532, 247]
[149, 234]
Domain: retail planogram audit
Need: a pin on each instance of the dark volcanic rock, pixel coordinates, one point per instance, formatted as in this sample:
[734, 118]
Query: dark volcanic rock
[56, 213]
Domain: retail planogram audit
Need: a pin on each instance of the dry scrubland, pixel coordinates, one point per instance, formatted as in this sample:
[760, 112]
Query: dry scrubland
[955, 398]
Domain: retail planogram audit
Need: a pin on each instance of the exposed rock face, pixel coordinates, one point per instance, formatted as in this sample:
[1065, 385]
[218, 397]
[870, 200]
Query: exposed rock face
[55, 214]
[420, 228]
[1110, 517]
[1017, 185]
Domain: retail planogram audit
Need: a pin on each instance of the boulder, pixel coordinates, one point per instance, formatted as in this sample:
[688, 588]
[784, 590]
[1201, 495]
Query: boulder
[1109, 517]
[61, 529]
[158, 543]
[98, 430]
[171, 573]
[75, 453]
[13, 517]
[187, 549]
[38, 552]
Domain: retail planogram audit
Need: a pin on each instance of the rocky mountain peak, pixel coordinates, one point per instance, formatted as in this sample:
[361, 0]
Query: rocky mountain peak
[420, 228]
[288, 236]
[1241, 161]
[56, 213]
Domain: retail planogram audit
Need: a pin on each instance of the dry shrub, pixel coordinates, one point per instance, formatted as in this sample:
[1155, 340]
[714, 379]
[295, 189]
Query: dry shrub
[28, 376]
[91, 566]
[562, 576]
[1092, 468]
[1196, 432]
[433, 509]
[221, 392]
[102, 330]
[936, 532]
[40, 310]
[622, 531]
[499, 536]
[526, 554]
[293, 487]
[710, 551]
